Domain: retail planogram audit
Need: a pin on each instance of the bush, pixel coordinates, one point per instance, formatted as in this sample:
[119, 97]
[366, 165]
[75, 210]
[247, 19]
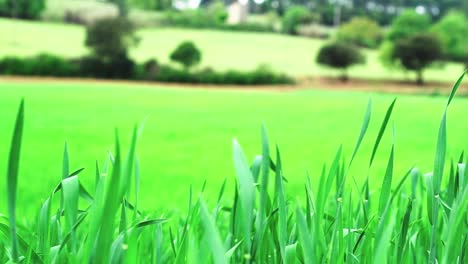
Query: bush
[417, 52]
[186, 54]
[360, 31]
[40, 65]
[295, 16]
[25, 9]
[119, 67]
[452, 30]
[261, 75]
[341, 56]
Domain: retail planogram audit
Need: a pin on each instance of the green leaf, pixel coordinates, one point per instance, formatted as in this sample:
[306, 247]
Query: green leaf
[212, 234]
[382, 130]
[12, 179]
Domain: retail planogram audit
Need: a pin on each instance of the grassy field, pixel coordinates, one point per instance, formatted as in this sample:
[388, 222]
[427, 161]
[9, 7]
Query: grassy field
[221, 50]
[188, 133]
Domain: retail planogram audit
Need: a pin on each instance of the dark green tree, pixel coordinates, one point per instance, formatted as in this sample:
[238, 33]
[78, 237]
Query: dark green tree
[341, 56]
[417, 52]
[186, 54]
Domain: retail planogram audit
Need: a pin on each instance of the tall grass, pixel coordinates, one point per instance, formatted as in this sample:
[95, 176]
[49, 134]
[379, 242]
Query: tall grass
[420, 219]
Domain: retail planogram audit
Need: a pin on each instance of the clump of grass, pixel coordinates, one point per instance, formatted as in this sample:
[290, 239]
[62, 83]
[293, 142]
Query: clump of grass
[419, 219]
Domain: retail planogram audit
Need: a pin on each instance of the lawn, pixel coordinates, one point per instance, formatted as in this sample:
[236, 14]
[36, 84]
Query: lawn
[221, 50]
[188, 132]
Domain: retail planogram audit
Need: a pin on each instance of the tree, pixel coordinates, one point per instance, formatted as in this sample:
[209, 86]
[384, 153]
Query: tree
[417, 52]
[452, 31]
[294, 17]
[109, 40]
[341, 56]
[110, 37]
[407, 24]
[361, 31]
[186, 54]
[25, 9]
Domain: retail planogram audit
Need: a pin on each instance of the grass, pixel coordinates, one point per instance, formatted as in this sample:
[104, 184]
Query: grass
[220, 50]
[341, 219]
[183, 124]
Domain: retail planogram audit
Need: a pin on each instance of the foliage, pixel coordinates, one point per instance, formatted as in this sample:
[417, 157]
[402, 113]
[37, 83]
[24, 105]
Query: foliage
[187, 54]
[421, 218]
[213, 16]
[418, 52]
[362, 32]
[407, 24]
[110, 37]
[117, 67]
[339, 55]
[40, 65]
[452, 30]
[259, 76]
[295, 16]
[25, 9]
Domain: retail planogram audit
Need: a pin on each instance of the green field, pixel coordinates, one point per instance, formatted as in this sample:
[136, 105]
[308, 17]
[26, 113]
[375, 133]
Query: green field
[221, 50]
[188, 133]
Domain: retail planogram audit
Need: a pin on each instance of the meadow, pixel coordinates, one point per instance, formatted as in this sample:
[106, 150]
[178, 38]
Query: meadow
[188, 133]
[220, 50]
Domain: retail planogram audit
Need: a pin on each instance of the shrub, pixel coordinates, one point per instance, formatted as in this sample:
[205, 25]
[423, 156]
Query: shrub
[186, 54]
[417, 52]
[295, 16]
[40, 65]
[118, 67]
[25, 9]
[360, 31]
[261, 75]
[339, 55]
[452, 30]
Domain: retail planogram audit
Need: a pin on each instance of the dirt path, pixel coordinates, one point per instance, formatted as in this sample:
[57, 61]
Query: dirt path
[320, 83]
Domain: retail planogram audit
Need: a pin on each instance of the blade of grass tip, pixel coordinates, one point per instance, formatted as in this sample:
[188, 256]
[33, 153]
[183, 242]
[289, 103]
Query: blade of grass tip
[126, 182]
[456, 86]
[387, 183]
[212, 234]
[246, 191]
[137, 185]
[305, 239]
[439, 163]
[381, 131]
[66, 162]
[111, 203]
[263, 205]
[70, 190]
[281, 203]
[12, 179]
[365, 125]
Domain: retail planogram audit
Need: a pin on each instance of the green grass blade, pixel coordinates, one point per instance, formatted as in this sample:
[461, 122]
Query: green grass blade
[387, 183]
[456, 86]
[382, 130]
[12, 179]
[212, 234]
[305, 239]
[365, 125]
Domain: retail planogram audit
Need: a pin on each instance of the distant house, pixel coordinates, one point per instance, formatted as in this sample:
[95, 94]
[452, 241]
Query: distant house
[237, 12]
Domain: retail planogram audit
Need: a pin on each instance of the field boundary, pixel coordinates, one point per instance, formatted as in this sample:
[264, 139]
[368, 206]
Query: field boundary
[310, 83]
